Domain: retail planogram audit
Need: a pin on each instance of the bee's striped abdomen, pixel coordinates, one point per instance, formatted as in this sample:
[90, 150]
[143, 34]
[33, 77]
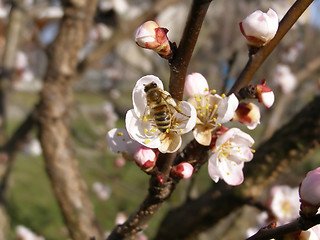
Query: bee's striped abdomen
[162, 116]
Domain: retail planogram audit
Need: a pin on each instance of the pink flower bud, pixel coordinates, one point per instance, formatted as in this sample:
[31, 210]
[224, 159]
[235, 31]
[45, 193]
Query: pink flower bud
[195, 84]
[309, 191]
[145, 158]
[182, 170]
[259, 27]
[265, 94]
[149, 35]
[249, 114]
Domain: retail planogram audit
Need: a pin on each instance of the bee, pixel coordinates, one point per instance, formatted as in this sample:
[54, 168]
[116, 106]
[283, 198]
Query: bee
[161, 105]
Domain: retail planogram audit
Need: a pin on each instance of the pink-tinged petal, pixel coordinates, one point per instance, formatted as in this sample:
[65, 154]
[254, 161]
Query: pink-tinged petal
[170, 142]
[195, 84]
[139, 96]
[119, 141]
[213, 169]
[232, 172]
[137, 130]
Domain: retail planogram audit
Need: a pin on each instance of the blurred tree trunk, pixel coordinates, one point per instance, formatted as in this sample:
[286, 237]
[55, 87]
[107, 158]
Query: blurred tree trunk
[54, 131]
[13, 31]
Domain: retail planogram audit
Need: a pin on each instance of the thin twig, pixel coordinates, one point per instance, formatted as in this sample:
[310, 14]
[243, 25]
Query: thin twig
[301, 224]
[179, 63]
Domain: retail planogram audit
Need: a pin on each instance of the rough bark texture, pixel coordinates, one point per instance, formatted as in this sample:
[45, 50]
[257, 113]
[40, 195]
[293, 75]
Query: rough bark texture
[291, 144]
[54, 132]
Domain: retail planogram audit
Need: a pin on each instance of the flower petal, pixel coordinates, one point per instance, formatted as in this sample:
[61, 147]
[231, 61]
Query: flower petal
[119, 141]
[227, 108]
[139, 130]
[202, 135]
[187, 120]
[170, 142]
[139, 96]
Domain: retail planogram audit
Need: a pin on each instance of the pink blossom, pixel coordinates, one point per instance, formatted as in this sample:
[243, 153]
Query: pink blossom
[259, 27]
[231, 151]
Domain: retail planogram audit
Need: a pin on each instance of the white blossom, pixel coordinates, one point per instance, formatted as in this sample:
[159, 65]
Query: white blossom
[141, 125]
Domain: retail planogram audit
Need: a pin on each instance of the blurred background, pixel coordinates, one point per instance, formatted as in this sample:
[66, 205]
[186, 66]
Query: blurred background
[109, 65]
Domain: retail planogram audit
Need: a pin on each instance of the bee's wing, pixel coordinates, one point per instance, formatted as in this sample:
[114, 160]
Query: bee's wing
[167, 98]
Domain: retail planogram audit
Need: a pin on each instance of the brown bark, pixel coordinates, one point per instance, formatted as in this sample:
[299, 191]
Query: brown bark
[54, 132]
[291, 144]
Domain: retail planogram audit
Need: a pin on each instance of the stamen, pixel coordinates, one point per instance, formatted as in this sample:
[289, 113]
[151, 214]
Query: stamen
[144, 118]
[146, 131]
[120, 134]
[181, 131]
[147, 141]
[223, 95]
[213, 91]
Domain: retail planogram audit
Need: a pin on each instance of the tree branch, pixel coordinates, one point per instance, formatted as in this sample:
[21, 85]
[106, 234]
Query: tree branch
[301, 224]
[181, 58]
[54, 131]
[291, 144]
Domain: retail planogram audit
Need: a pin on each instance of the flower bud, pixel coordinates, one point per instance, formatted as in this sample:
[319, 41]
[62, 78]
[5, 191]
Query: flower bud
[309, 191]
[195, 84]
[249, 114]
[265, 94]
[259, 27]
[149, 35]
[145, 158]
[182, 170]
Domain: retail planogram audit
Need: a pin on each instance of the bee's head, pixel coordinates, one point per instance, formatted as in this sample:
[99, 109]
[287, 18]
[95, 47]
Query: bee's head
[150, 86]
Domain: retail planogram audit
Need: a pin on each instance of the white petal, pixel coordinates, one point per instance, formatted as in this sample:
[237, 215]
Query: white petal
[170, 142]
[227, 108]
[136, 129]
[139, 96]
[267, 98]
[119, 141]
[187, 120]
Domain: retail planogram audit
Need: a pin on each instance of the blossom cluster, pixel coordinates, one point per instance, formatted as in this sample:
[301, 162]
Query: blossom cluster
[157, 122]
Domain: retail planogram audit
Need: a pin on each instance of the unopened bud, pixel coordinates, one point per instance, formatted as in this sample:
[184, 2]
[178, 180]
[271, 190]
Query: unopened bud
[259, 27]
[265, 94]
[249, 114]
[195, 84]
[145, 158]
[149, 35]
[309, 191]
[182, 170]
